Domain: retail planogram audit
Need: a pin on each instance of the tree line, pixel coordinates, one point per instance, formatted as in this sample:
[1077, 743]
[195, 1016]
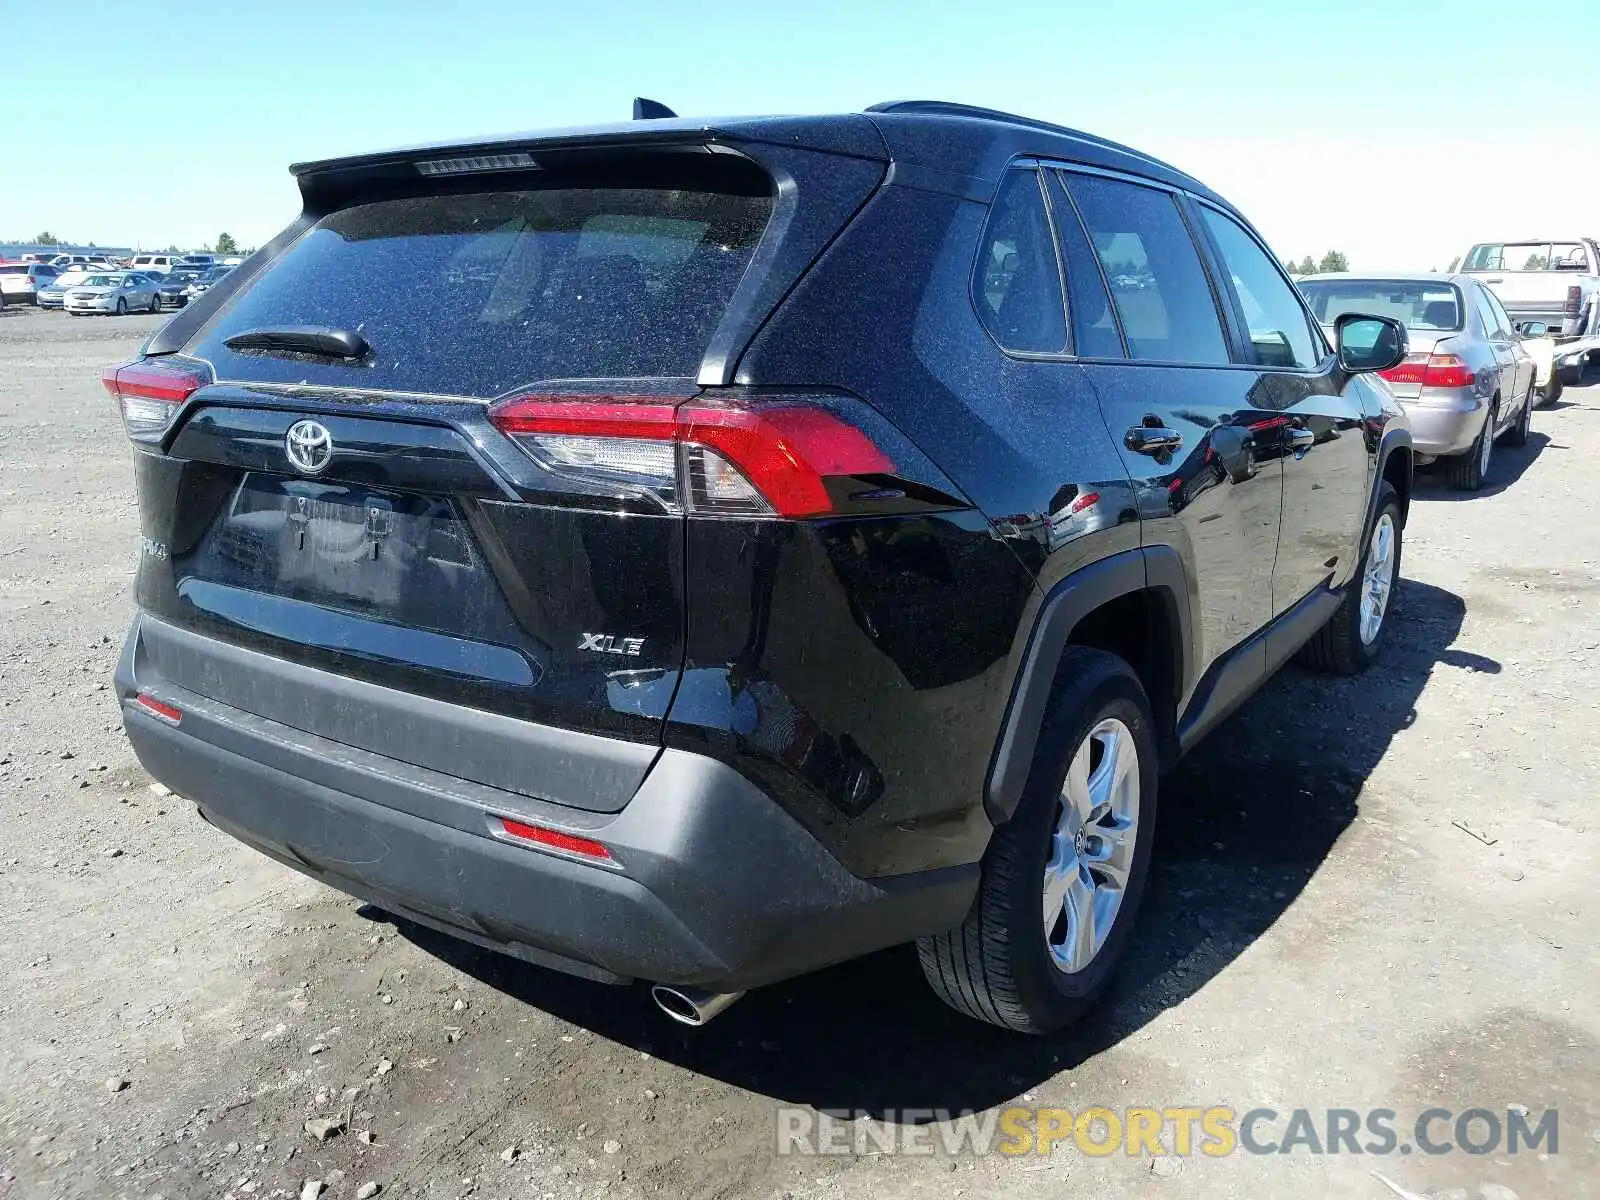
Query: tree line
[1332, 261]
[225, 244]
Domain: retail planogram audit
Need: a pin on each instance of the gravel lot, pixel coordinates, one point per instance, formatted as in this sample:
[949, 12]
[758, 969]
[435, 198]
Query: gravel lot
[1320, 932]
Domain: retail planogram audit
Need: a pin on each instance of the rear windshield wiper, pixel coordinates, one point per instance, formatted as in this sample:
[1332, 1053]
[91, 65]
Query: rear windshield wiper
[320, 340]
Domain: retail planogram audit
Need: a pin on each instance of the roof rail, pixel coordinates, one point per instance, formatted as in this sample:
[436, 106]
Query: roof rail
[949, 108]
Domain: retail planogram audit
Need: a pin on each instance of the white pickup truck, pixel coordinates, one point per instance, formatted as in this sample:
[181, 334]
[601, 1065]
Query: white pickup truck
[1555, 282]
[1548, 287]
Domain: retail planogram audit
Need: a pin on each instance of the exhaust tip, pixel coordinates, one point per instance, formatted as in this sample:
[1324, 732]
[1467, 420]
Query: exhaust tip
[691, 1006]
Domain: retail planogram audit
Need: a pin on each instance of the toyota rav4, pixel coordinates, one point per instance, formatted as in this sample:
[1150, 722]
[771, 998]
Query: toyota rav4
[696, 552]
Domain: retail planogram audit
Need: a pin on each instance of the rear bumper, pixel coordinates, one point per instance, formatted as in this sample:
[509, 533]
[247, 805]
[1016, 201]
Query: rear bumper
[712, 884]
[1444, 423]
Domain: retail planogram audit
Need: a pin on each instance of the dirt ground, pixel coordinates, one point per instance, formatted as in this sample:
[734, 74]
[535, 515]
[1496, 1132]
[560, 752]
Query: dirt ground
[1320, 932]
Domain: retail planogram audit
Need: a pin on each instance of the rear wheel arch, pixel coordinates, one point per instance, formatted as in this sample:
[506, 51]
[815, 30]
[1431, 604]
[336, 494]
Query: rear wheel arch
[1397, 470]
[1135, 605]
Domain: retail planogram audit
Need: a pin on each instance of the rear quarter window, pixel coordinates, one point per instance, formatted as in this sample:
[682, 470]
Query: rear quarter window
[476, 294]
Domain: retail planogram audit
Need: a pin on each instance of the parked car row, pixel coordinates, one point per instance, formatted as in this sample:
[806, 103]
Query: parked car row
[81, 290]
[37, 280]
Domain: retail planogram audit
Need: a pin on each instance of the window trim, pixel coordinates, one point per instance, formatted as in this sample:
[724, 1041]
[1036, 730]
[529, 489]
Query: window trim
[1318, 339]
[1099, 270]
[1027, 165]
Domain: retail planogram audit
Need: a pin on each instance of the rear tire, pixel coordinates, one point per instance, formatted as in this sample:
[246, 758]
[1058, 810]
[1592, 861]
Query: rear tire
[1552, 389]
[155, 302]
[1001, 964]
[1517, 435]
[1467, 472]
[1343, 646]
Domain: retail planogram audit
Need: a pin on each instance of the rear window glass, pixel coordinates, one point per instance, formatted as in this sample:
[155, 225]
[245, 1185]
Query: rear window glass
[1527, 256]
[13, 268]
[479, 293]
[1415, 304]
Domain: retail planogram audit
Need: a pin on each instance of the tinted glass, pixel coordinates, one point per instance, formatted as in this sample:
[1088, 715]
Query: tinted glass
[1017, 283]
[13, 268]
[477, 294]
[1159, 287]
[1280, 335]
[1094, 324]
[1416, 304]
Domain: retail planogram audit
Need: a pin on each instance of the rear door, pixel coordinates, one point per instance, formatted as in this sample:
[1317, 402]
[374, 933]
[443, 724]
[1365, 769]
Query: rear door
[1520, 378]
[1497, 331]
[359, 513]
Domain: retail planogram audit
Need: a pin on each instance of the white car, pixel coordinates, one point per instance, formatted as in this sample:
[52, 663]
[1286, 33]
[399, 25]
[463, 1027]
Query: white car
[114, 292]
[64, 262]
[155, 264]
[52, 293]
[20, 281]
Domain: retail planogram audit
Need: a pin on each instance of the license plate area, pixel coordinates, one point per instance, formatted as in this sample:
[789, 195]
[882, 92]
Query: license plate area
[399, 556]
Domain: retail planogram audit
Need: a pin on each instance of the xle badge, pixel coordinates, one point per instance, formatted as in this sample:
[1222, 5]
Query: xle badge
[605, 643]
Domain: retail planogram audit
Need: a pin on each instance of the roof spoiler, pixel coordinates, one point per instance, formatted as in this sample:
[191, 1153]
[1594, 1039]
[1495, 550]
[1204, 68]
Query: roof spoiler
[651, 110]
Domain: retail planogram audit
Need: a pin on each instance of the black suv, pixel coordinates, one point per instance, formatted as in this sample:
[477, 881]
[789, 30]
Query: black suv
[700, 551]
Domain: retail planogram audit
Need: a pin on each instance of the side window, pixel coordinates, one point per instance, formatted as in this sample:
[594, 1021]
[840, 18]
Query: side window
[1280, 335]
[1017, 283]
[1157, 283]
[1094, 325]
[1500, 316]
[1490, 311]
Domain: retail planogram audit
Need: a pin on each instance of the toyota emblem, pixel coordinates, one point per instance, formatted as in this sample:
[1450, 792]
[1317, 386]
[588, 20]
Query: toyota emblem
[309, 446]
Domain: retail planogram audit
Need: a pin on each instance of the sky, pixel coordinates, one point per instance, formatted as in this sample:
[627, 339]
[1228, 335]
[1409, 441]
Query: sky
[1397, 132]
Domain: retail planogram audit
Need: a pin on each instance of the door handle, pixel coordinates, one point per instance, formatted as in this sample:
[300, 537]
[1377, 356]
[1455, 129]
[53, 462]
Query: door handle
[1301, 440]
[1152, 439]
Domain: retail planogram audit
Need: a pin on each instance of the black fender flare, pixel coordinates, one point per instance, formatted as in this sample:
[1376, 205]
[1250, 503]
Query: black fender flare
[1156, 569]
[1395, 437]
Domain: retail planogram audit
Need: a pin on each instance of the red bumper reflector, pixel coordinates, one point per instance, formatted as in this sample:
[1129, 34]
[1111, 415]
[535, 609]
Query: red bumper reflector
[555, 839]
[151, 704]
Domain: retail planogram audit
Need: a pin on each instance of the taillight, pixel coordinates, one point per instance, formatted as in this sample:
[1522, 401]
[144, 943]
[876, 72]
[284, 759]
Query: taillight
[1574, 300]
[770, 458]
[1432, 370]
[1411, 370]
[1447, 371]
[150, 393]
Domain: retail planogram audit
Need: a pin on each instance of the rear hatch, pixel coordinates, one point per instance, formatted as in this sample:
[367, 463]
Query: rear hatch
[327, 476]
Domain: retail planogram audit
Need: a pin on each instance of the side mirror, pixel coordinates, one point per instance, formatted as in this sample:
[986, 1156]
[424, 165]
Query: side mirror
[1370, 343]
[1533, 329]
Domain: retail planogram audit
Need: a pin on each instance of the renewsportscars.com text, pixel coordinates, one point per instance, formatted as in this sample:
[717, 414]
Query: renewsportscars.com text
[1213, 1132]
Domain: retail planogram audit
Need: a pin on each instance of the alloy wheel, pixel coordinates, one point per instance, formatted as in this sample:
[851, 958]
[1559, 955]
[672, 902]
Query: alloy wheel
[1377, 580]
[1091, 846]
